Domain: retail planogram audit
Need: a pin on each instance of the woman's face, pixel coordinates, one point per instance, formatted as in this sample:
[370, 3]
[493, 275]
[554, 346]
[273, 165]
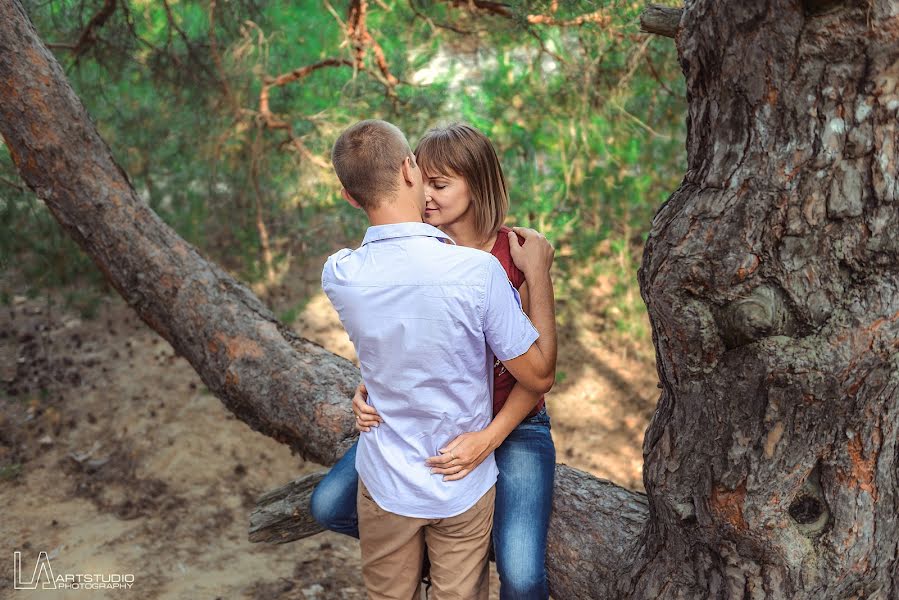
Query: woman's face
[447, 200]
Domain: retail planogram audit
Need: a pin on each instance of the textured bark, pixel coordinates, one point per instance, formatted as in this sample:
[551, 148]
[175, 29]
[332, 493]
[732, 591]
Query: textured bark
[594, 535]
[282, 515]
[772, 282]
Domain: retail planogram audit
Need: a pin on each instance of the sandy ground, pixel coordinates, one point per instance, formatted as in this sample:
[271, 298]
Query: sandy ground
[114, 459]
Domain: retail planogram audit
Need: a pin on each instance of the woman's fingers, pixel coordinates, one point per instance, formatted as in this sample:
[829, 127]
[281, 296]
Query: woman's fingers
[366, 415]
[439, 461]
[447, 460]
[370, 411]
[535, 255]
[367, 421]
[448, 470]
[458, 475]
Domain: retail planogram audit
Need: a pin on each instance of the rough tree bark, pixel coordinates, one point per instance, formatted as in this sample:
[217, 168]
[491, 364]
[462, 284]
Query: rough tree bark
[771, 277]
[772, 282]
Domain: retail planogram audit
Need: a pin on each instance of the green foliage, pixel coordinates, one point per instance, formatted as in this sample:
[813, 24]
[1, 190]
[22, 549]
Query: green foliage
[10, 472]
[588, 121]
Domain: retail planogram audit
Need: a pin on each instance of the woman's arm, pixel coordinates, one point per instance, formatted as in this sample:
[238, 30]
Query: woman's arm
[536, 368]
[463, 455]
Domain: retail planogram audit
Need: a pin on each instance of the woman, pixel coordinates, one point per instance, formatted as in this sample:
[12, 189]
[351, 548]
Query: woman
[466, 198]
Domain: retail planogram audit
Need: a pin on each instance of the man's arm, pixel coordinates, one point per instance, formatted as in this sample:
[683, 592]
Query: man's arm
[536, 368]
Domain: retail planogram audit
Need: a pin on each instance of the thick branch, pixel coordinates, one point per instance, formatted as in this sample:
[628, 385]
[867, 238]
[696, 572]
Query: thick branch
[594, 532]
[282, 515]
[660, 20]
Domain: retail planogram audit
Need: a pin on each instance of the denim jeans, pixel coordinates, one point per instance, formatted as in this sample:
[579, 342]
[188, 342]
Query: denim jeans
[527, 464]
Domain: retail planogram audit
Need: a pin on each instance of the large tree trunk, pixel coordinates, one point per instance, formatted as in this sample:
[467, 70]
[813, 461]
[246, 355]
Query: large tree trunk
[771, 278]
[772, 282]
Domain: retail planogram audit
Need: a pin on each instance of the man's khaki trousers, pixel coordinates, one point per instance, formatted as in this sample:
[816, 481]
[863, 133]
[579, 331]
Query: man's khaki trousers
[393, 548]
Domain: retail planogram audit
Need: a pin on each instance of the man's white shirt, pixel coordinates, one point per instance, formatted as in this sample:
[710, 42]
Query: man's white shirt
[426, 318]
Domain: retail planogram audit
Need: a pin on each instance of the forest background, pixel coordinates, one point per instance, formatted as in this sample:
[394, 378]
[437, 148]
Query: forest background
[229, 145]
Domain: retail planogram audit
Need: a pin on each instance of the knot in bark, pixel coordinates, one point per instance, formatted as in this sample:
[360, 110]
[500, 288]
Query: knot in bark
[809, 509]
[761, 314]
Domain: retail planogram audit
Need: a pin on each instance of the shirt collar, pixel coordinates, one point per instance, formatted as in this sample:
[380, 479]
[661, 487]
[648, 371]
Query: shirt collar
[398, 230]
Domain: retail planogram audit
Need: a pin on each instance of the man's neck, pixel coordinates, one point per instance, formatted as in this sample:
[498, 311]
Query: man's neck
[394, 212]
[381, 219]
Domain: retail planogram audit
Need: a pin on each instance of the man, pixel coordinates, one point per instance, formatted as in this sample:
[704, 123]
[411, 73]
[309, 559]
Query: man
[426, 317]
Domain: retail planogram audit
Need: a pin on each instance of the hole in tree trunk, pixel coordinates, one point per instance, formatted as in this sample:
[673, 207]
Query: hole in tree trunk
[806, 509]
[809, 509]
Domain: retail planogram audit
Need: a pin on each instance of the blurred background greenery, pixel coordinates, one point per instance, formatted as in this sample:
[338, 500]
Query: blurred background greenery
[587, 115]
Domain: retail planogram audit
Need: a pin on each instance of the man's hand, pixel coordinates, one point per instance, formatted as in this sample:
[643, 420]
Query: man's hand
[535, 256]
[366, 415]
[462, 455]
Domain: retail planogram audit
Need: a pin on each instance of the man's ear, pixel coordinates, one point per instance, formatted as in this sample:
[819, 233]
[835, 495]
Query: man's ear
[407, 168]
[350, 199]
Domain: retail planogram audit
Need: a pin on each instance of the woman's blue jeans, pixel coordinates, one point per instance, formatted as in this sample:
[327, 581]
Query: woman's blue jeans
[526, 462]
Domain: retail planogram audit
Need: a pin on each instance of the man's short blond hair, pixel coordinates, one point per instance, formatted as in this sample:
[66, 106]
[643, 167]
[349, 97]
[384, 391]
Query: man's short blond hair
[367, 157]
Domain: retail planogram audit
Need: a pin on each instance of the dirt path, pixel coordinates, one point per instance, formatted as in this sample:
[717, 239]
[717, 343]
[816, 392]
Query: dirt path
[115, 459]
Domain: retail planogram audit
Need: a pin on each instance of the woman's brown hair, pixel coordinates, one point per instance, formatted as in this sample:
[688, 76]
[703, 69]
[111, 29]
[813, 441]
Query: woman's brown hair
[463, 150]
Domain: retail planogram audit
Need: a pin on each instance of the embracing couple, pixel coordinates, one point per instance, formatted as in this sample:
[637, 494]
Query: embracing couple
[452, 317]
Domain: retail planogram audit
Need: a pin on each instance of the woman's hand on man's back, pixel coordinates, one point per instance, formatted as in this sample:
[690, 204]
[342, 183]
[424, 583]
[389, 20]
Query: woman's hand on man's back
[366, 415]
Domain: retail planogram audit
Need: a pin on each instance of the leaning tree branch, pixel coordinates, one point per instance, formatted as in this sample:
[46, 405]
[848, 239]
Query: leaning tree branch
[275, 381]
[661, 20]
